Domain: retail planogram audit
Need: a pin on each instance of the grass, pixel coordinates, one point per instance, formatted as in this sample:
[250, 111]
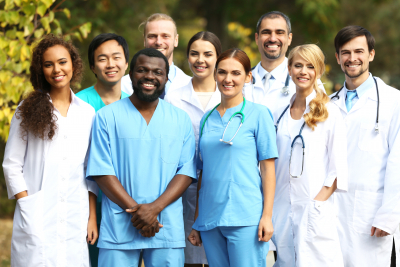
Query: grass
[5, 241]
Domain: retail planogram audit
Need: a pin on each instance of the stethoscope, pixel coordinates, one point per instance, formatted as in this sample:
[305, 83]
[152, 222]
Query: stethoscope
[284, 90]
[377, 109]
[233, 115]
[299, 136]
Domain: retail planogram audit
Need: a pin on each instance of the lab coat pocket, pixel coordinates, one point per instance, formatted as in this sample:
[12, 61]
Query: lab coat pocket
[27, 238]
[366, 205]
[369, 140]
[171, 147]
[321, 221]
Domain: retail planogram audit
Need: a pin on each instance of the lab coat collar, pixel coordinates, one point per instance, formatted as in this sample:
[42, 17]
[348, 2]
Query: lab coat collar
[308, 100]
[279, 73]
[189, 96]
[75, 101]
[364, 87]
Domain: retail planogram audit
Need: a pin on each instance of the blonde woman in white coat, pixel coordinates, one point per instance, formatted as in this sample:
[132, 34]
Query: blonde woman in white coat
[312, 165]
[45, 161]
[198, 96]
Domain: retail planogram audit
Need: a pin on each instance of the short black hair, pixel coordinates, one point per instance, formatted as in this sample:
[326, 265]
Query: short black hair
[150, 52]
[350, 32]
[102, 38]
[274, 15]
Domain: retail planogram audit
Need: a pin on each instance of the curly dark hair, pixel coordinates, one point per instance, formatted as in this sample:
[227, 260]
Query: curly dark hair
[36, 110]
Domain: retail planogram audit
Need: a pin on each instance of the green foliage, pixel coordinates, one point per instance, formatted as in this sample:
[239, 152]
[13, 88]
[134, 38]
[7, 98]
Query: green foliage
[22, 24]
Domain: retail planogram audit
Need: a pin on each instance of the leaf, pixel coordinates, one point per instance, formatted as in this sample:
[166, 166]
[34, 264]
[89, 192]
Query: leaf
[28, 9]
[85, 29]
[3, 57]
[46, 24]
[39, 33]
[58, 31]
[67, 12]
[17, 2]
[28, 29]
[41, 9]
[78, 36]
[51, 16]
[3, 43]
[25, 53]
[48, 3]
[18, 68]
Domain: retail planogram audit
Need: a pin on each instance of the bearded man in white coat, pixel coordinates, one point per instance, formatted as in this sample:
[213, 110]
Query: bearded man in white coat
[160, 33]
[369, 214]
[272, 85]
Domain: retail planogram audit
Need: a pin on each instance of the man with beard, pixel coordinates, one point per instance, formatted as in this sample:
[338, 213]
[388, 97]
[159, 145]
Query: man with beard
[272, 85]
[142, 156]
[369, 213]
[160, 33]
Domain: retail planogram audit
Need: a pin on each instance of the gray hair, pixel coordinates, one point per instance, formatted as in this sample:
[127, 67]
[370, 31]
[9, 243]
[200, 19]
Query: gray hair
[273, 15]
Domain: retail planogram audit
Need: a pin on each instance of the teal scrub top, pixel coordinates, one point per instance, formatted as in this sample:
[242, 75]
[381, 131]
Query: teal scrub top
[231, 190]
[144, 158]
[90, 96]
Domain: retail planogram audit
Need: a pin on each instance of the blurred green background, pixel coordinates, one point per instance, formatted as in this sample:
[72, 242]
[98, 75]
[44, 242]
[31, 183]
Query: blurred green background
[234, 21]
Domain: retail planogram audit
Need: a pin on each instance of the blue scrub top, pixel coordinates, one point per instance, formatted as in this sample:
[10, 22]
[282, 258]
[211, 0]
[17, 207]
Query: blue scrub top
[231, 190]
[144, 158]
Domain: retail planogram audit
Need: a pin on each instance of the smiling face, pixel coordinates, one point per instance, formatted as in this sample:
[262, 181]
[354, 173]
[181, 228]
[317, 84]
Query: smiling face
[109, 63]
[273, 38]
[57, 67]
[148, 78]
[231, 77]
[354, 58]
[202, 58]
[161, 35]
[303, 74]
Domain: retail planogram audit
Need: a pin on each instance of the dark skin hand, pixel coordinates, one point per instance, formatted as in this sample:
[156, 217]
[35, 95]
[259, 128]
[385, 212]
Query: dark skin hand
[144, 216]
[113, 189]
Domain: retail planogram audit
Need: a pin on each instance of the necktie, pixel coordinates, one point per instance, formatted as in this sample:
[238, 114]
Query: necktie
[266, 82]
[349, 99]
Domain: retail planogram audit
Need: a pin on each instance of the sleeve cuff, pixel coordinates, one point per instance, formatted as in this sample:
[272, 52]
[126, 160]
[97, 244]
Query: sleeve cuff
[92, 187]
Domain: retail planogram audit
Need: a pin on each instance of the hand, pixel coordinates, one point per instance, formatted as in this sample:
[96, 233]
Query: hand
[143, 216]
[92, 231]
[194, 238]
[378, 232]
[151, 231]
[265, 229]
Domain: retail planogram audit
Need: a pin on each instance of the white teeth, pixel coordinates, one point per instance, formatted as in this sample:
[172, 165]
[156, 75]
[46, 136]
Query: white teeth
[272, 46]
[161, 49]
[303, 79]
[114, 72]
[148, 85]
[58, 78]
[353, 66]
[228, 86]
[201, 68]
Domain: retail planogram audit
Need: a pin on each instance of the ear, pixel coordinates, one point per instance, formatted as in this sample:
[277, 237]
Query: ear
[256, 38]
[176, 40]
[91, 68]
[249, 77]
[126, 67]
[131, 74]
[290, 39]
[371, 55]
[290, 70]
[337, 58]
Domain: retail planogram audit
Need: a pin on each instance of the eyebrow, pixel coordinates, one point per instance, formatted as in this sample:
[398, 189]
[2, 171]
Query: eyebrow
[104, 55]
[198, 51]
[57, 60]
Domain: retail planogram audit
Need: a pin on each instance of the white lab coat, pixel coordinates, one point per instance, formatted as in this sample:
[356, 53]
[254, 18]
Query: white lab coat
[310, 237]
[274, 98]
[186, 99]
[373, 198]
[50, 224]
[181, 79]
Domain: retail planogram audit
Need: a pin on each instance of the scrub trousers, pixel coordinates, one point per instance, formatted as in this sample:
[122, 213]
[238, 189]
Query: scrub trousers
[152, 257]
[227, 246]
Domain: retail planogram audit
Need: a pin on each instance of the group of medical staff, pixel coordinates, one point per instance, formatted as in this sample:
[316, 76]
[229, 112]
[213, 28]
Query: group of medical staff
[213, 169]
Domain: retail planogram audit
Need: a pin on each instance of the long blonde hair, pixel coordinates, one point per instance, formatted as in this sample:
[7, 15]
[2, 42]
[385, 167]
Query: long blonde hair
[313, 54]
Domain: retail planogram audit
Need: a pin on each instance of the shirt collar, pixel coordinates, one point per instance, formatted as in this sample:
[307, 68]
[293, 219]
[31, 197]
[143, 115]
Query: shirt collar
[363, 88]
[278, 73]
[172, 72]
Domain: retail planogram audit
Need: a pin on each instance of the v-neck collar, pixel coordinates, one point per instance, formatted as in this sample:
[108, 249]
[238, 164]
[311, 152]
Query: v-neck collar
[228, 113]
[153, 118]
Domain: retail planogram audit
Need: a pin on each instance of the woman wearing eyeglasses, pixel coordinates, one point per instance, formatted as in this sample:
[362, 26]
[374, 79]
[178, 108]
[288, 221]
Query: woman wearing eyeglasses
[311, 140]
[235, 201]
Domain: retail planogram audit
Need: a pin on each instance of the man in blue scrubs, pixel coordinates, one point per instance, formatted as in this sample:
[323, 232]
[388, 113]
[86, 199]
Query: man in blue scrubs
[142, 156]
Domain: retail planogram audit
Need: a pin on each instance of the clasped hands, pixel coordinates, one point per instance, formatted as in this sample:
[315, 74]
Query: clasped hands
[144, 218]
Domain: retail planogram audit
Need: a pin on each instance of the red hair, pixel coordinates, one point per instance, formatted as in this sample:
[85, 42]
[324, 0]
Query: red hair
[237, 54]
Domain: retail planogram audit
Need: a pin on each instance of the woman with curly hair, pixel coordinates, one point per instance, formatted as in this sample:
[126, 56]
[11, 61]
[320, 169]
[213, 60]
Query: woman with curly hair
[45, 161]
[312, 165]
